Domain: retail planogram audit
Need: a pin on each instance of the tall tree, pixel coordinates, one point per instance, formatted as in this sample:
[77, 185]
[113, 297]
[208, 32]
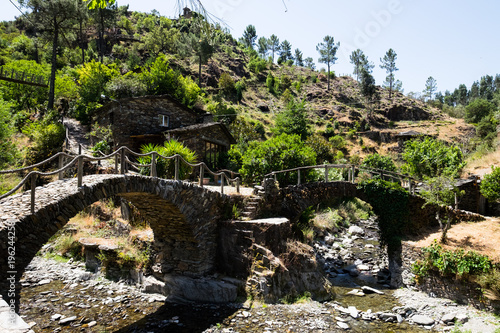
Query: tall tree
[285, 51]
[430, 87]
[249, 36]
[309, 62]
[52, 18]
[298, 58]
[327, 51]
[263, 44]
[201, 41]
[360, 61]
[367, 87]
[389, 64]
[274, 45]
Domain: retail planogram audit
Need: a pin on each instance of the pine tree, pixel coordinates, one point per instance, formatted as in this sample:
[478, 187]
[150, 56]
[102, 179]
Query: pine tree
[327, 51]
[389, 64]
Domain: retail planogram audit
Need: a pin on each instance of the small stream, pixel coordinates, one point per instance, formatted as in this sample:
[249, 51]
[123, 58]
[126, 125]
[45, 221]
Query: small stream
[63, 297]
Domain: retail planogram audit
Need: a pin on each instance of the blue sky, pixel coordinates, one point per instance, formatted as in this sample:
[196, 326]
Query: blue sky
[453, 41]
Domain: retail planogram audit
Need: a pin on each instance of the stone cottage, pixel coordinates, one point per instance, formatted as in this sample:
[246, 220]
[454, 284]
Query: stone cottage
[153, 119]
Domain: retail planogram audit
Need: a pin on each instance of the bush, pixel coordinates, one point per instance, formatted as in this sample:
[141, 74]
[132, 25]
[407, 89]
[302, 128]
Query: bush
[478, 109]
[226, 83]
[47, 137]
[490, 185]
[128, 85]
[270, 82]
[282, 152]
[322, 148]
[432, 158]
[92, 80]
[257, 65]
[7, 149]
[165, 168]
[377, 161]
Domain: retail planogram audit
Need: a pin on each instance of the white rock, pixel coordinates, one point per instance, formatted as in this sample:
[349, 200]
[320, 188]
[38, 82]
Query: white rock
[353, 312]
[462, 318]
[422, 320]
[369, 290]
[448, 318]
[363, 267]
[355, 230]
[44, 281]
[342, 325]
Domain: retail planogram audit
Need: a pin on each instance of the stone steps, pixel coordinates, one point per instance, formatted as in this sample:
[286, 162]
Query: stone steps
[251, 207]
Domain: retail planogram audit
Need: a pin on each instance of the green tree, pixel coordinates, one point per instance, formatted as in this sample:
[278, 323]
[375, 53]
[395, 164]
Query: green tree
[309, 62]
[360, 62]
[52, 17]
[478, 109]
[99, 3]
[441, 192]
[281, 152]
[263, 44]
[293, 120]
[298, 58]
[389, 64]
[367, 87]
[285, 52]
[430, 87]
[431, 158]
[201, 41]
[92, 79]
[274, 45]
[249, 36]
[490, 185]
[162, 38]
[327, 51]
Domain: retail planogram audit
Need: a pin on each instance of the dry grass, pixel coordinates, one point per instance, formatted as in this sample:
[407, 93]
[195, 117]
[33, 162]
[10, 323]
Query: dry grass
[482, 165]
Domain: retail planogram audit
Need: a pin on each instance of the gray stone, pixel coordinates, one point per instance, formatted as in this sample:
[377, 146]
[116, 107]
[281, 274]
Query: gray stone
[353, 312]
[448, 318]
[67, 320]
[422, 320]
[355, 230]
[342, 325]
[462, 318]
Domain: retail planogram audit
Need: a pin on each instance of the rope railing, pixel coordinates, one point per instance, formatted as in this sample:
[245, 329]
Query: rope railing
[122, 161]
[404, 180]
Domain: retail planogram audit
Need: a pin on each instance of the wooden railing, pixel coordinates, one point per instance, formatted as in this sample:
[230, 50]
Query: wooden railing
[22, 77]
[122, 162]
[406, 181]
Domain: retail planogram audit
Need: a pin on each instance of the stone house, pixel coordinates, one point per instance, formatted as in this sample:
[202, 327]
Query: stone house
[137, 121]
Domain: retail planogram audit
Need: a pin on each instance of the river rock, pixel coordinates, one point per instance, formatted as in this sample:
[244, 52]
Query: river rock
[356, 292]
[67, 320]
[355, 230]
[44, 281]
[448, 318]
[422, 320]
[342, 325]
[353, 312]
[462, 318]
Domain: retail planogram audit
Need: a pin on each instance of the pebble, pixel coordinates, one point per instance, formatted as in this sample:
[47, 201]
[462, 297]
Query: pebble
[67, 320]
[422, 320]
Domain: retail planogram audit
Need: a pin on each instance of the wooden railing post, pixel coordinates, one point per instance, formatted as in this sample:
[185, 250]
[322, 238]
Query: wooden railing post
[275, 177]
[222, 183]
[116, 163]
[122, 161]
[67, 138]
[237, 184]
[176, 167]
[80, 171]
[201, 175]
[410, 185]
[326, 173]
[353, 174]
[61, 163]
[298, 177]
[79, 149]
[153, 165]
[33, 187]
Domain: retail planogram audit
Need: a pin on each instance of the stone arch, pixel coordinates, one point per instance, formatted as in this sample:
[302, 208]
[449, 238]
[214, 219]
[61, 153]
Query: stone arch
[196, 211]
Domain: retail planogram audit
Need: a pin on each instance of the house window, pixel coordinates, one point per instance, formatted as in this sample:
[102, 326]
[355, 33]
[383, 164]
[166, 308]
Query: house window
[164, 120]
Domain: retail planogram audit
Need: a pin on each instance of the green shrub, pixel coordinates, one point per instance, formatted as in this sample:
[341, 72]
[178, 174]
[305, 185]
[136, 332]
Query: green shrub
[226, 84]
[270, 83]
[128, 85]
[377, 161]
[165, 168]
[490, 185]
[257, 65]
[47, 137]
[452, 262]
[322, 148]
[282, 152]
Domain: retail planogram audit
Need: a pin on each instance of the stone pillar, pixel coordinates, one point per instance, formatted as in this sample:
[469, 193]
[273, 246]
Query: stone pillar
[395, 265]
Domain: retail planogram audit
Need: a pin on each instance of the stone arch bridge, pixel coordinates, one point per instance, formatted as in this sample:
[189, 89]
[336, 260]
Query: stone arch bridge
[186, 220]
[183, 217]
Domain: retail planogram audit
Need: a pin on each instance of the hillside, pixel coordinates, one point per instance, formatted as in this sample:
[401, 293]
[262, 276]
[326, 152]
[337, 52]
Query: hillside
[234, 84]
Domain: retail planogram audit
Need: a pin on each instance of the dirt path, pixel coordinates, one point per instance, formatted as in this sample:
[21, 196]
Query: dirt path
[482, 237]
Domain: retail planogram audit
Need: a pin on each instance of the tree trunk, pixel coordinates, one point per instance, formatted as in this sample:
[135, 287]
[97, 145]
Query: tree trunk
[52, 82]
[328, 78]
[199, 73]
